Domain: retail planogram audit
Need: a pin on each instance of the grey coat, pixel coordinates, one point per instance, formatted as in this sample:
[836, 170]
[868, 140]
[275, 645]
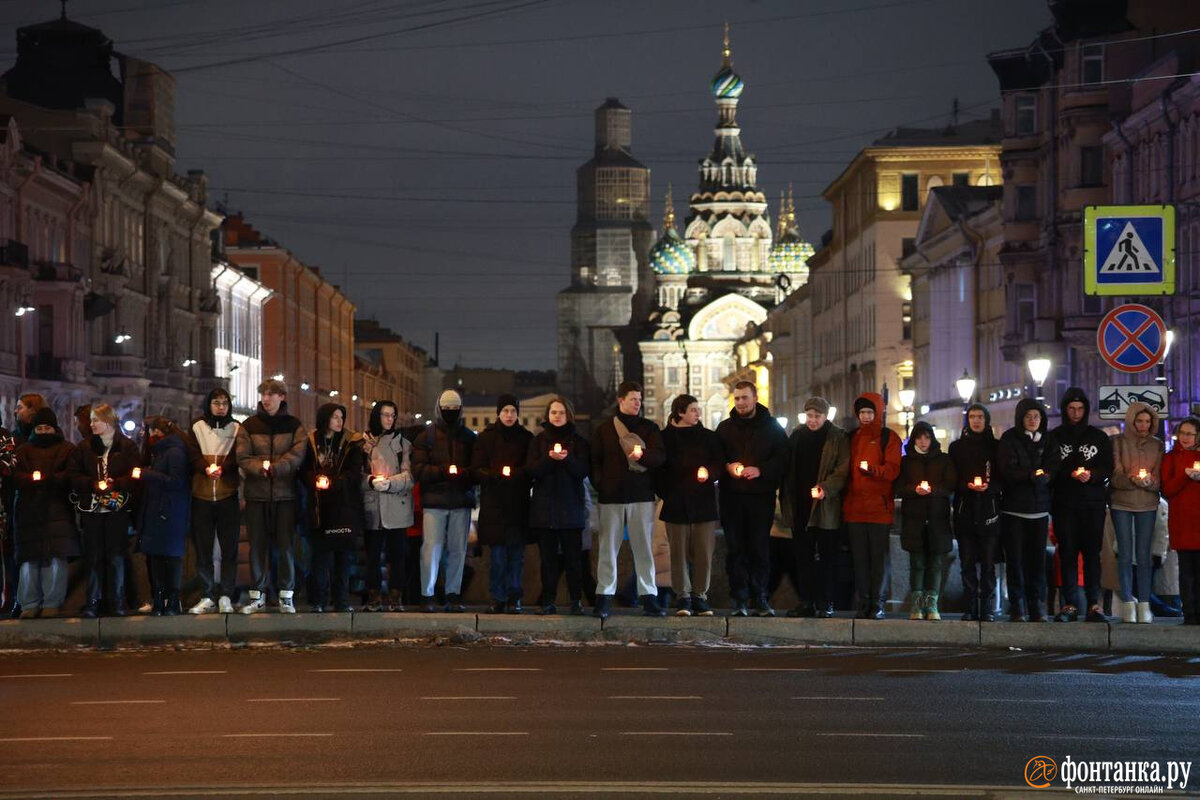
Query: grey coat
[388, 503]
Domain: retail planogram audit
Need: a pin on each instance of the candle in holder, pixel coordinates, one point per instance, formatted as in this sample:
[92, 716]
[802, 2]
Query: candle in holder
[738, 470]
[978, 481]
[816, 492]
[1196, 465]
[557, 448]
[1078, 471]
[702, 474]
[506, 471]
[322, 482]
[213, 470]
[453, 470]
[266, 465]
[102, 485]
[924, 486]
[864, 466]
[637, 451]
[1142, 474]
[37, 474]
[378, 478]
[136, 473]
[1039, 472]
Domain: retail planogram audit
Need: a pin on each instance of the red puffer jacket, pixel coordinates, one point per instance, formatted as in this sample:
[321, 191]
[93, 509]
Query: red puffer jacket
[1183, 499]
[868, 496]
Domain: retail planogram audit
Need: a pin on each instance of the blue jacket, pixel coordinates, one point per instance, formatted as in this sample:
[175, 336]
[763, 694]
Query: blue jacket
[166, 499]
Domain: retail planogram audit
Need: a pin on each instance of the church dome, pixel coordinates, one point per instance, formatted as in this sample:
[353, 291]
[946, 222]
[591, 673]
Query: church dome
[727, 84]
[671, 255]
[790, 252]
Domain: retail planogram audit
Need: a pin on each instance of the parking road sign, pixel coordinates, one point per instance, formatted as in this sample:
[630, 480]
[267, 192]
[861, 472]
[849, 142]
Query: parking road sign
[1132, 338]
[1129, 250]
[1115, 400]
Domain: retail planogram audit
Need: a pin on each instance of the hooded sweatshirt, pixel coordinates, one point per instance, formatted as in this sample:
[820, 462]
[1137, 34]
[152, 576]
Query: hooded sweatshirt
[919, 512]
[1019, 456]
[212, 440]
[1073, 446]
[974, 455]
[1132, 453]
[444, 443]
[868, 496]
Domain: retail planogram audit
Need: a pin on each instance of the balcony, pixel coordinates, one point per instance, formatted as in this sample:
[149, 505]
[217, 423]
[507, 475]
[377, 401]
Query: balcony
[52, 368]
[56, 271]
[119, 366]
[14, 254]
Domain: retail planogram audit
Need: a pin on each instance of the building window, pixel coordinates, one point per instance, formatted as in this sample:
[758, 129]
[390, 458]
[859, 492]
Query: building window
[1026, 309]
[1026, 203]
[1026, 108]
[909, 192]
[1091, 166]
[961, 178]
[1091, 69]
[906, 315]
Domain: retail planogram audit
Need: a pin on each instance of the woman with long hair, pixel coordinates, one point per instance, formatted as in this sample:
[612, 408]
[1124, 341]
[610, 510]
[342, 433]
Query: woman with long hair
[388, 502]
[333, 474]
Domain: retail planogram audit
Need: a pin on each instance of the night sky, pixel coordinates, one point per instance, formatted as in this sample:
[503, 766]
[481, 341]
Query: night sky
[422, 154]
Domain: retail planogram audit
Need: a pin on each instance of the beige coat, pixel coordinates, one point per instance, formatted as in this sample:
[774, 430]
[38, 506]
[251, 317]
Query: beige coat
[1132, 453]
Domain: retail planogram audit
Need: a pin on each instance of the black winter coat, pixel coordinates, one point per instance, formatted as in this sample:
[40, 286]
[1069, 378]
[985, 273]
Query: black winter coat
[434, 450]
[503, 501]
[1069, 447]
[559, 495]
[336, 516]
[755, 442]
[685, 499]
[85, 463]
[611, 473]
[166, 499]
[45, 521]
[932, 510]
[1019, 457]
[974, 455]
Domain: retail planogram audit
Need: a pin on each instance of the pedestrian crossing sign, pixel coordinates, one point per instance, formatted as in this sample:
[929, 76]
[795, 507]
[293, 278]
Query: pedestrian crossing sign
[1129, 251]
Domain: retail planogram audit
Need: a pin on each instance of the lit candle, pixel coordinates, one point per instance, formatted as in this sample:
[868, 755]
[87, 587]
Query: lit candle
[379, 477]
[213, 470]
[864, 466]
[136, 473]
[1142, 474]
[266, 465]
[702, 474]
[322, 482]
[924, 486]
[453, 469]
[1196, 465]
[37, 474]
[557, 448]
[1039, 473]
[637, 451]
[738, 470]
[506, 471]
[102, 485]
[978, 481]
[816, 492]
[1078, 471]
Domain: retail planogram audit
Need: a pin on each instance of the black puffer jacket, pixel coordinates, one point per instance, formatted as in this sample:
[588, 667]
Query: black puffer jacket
[503, 500]
[933, 510]
[1018, 458]
[559, 495]
[757, 441]
[1070, 447]
[974, 455]
[45, 521]
[434, 450]
[612, 474]
[685, 499]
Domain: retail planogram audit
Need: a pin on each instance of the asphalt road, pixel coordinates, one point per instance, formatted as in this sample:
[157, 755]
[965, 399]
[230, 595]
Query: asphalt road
[577, 721]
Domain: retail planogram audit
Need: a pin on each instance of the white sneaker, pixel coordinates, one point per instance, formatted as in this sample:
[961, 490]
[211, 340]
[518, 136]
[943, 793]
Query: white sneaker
[1144, 614]
[205, 606]
[224, 605]
[257, 603]
[145, 608]
[285, 603]
[1128, 611]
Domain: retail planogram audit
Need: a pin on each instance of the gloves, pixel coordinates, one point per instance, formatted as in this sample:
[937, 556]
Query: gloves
[380, 484]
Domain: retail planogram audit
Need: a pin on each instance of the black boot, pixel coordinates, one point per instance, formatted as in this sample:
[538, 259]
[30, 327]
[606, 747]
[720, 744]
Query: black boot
[651, 608]
[172, 606]
[603, 607]
[90, 610]
[159, 603]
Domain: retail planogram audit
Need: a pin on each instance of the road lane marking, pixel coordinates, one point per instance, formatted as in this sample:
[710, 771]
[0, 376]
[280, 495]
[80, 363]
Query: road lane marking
[837, 698]
[272, 735]
[293, 700]
[635, 669]
[926, 671]
[1089, 738]
[43, 675]
[188, 672]
[475, 733]
[1011, 700]
[361, 669]
[481, 697]
[771, 669]
[676, 733]
[654, 697]
[113, 702]
[57, 739]
[879, 735]
[497, 669]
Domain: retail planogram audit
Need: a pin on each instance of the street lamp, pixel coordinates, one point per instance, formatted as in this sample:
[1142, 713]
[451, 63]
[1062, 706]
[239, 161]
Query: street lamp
[832, 413]
[966, 388]
[1039, 370]
[907, 396]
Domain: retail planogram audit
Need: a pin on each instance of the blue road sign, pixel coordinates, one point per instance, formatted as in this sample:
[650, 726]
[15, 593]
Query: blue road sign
[1129, 250]
[1132, 338]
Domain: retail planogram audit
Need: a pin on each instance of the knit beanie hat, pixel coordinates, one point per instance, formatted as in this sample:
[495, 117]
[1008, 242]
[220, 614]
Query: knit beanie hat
[449, 399]
[507, 400]
[817, 404]
[44, 416]
[861, 403]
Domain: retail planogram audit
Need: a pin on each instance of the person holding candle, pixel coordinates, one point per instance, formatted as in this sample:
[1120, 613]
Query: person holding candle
[270, 451]
[498, 465]
[1025, 510]
[1181, 488]
[625, 450]
[688, 487]
[216, 486]
[388, 502]
[557, 463]
[28, 404]
[868, 506]
[332, 473]
[1136, 476]
[926, 482]
[441, 461]
[977, 512]
[44, 520]
[1079, 462]
[101, 483]
[165, 512]
[811, 498]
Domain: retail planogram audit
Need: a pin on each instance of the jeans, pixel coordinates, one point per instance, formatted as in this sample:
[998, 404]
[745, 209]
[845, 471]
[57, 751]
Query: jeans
[267, 522]
[1080, 530]
[105, 537]
[747, 519]
[331, 571]
[614, 518]
[43, 584]
[444, 529]
[696, 540]
[506, 572]
[216, 522]
[869, 547]
[570, 561]
[1025, 561]
[1134, 530]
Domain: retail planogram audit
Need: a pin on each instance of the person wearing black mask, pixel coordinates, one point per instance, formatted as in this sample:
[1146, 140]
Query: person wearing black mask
[332, 474]
[216, 486]
[45, 524]
[498, 465]
[811, 497]
[977, 512]
[1080, 462]
[388, 502]
[1025, 510]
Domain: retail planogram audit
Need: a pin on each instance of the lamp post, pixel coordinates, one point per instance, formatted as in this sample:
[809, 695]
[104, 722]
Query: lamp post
[966, 388]
[907, 396]
[1039, 370]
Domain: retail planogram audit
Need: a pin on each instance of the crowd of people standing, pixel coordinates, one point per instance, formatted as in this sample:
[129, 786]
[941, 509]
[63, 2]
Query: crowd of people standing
[351, 491]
